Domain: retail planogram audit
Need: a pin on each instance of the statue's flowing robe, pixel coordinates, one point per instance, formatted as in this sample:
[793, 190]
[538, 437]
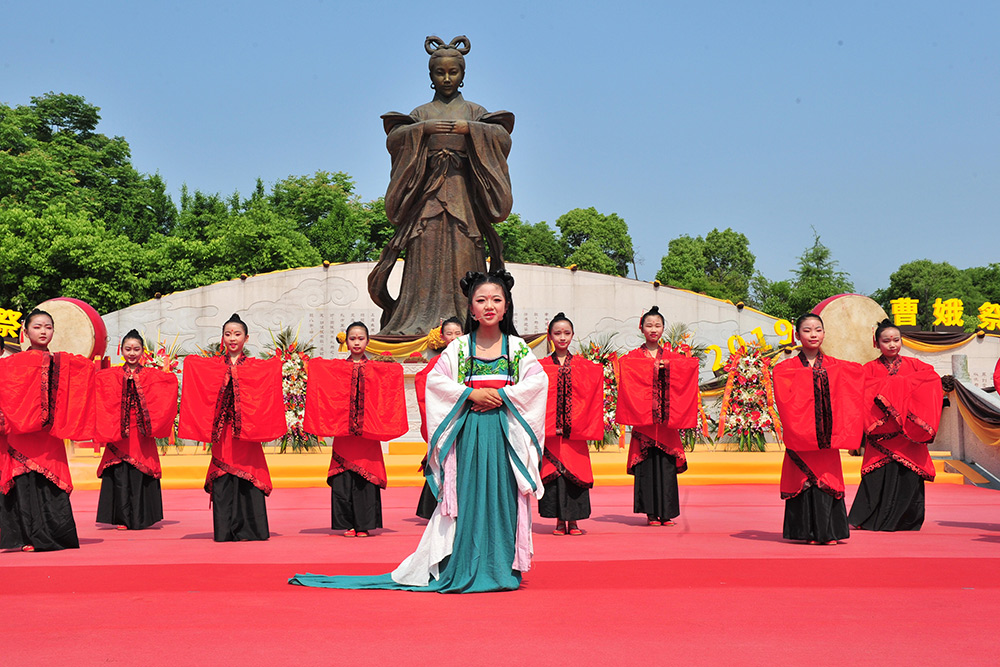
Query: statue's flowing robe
[445, 194]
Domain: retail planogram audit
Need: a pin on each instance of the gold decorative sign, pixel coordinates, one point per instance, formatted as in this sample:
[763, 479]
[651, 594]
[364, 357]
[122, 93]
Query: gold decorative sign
[947, 312]
[10, 323]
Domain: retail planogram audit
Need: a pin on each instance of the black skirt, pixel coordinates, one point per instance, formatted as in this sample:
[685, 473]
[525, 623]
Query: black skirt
[354, 502]
[656, 493]
[427, 503]
[238, 510]
[564, 500]
[129, 498]
[36, 512]
[889, 498]
[815, 516]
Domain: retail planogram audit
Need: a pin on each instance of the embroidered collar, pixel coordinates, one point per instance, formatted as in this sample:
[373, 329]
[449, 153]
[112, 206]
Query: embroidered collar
[555, 359]
[892, 365]
[819, 360]
[239, 362]
[645, 351]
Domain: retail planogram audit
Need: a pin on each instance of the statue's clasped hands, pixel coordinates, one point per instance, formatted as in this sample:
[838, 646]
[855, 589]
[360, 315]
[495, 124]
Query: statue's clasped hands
[447, 126]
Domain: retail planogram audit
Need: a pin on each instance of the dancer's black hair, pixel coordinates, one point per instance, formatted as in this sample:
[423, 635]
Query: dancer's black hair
[36, 313]
[560, 317]
[807, 316]
[133, 335]
[453, 320]
[655, 310]
[354, 325]
[882, 326]
[235, 319]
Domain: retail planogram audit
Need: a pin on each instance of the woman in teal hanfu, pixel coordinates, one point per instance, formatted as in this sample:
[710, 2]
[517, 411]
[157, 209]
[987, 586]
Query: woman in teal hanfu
[486, 415]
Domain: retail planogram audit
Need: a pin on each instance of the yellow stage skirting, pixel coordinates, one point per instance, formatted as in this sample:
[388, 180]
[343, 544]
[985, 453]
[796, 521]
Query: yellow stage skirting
[294, 470]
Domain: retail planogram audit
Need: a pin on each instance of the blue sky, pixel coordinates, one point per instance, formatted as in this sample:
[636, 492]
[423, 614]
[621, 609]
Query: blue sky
[877, 123]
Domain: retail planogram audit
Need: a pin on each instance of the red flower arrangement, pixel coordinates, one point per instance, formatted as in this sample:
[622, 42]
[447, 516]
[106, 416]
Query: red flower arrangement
[748, 409]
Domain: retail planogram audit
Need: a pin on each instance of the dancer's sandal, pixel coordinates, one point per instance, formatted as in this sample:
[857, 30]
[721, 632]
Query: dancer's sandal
[573, 529]
[27, 548]
[351, 533]
[362, 533]
[653, 522]
[560, 529]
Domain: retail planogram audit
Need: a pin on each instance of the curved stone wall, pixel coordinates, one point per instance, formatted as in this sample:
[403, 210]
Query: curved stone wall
[319, 302]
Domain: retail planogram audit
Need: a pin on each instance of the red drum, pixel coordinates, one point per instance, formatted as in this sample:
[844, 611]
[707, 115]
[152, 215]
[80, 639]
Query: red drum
[78, 328]
[850, 321]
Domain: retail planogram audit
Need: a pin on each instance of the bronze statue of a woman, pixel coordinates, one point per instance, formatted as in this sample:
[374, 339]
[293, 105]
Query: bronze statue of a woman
[449, 186]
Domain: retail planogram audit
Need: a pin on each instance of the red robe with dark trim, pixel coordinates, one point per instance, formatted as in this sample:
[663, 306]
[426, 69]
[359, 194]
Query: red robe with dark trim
[903, 402]
[45, 398]
[360, 405]
[574, 414]
[656, 404]
[132, 410]
[996, 377]
[420, 388]
[820, 410]
[236, 408]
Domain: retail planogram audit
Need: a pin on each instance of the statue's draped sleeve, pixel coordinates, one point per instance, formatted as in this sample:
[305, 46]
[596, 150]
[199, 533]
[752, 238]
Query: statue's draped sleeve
[488, 145]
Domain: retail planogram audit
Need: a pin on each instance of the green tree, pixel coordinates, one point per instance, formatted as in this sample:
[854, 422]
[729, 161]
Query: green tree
[200, 215]
[987, 281]
[336, 222]
[258, 241]
[60, 252]
[816, 278]
[379, 229]
[597, 242]
[772, 297]
[719, 265]
[530, 244]
[50, 153]
[175, 263]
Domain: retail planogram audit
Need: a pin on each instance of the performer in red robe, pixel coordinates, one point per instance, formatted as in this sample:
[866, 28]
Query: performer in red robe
[44, 398]
[360, 403]
[657, 396]
[451, 329]
[996, 377]
[819, 402]
[236, 403]
[903, 402]
[574, 414]
[135, 405]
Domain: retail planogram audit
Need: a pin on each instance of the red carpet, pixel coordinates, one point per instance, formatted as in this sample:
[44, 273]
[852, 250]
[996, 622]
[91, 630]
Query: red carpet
[721, 587]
